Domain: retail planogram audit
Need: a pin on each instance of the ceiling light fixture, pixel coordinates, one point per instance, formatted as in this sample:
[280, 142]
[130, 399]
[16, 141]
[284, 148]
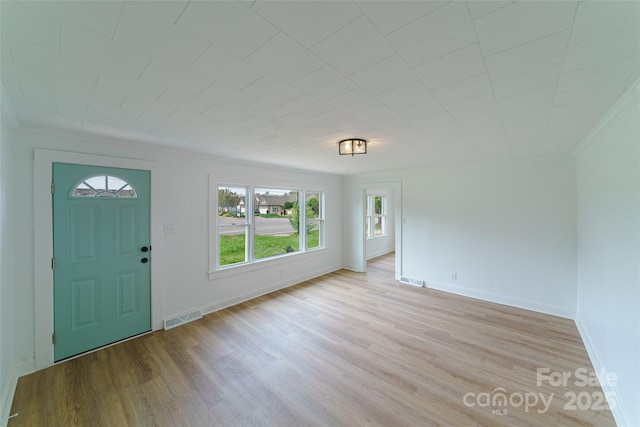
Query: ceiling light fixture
[352, 146]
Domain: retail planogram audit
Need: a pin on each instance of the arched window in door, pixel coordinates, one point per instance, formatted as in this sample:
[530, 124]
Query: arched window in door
[104, 186]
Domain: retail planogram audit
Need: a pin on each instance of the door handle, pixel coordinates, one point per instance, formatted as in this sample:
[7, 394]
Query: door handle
[144, 260]
[144, 249]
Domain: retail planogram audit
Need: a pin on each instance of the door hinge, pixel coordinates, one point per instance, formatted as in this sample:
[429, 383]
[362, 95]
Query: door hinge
[53, 338]
[53, 187]
[53, 263]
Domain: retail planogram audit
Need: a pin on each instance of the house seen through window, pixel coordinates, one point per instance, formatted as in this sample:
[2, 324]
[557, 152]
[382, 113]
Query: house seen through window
[103, 186]
[254, 223]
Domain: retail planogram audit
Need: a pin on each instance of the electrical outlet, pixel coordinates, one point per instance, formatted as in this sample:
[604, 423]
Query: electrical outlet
[169, 228]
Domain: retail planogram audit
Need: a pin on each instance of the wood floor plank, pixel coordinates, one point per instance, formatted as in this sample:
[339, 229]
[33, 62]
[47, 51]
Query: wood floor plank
[344, 349]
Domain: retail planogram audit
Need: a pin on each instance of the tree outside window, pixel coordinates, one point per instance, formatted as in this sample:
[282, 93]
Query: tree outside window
[275, 229]
[314, 203]
[232, 225]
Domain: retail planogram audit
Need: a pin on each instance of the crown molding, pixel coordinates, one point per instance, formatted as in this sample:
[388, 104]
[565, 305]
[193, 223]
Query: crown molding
[627, 101]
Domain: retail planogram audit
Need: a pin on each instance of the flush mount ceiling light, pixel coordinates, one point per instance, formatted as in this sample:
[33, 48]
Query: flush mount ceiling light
[352, 146]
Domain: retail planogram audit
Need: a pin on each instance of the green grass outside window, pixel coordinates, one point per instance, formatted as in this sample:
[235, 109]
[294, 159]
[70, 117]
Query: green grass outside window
[232, 247]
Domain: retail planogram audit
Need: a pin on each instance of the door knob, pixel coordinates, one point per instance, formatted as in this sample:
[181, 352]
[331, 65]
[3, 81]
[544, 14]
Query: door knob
[144, 260]
[144, 249]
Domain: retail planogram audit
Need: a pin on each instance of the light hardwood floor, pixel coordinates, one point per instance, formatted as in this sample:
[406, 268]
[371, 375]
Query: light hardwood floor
[345, 349]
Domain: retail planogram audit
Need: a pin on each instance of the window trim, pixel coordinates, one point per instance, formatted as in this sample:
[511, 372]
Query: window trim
[251, 264]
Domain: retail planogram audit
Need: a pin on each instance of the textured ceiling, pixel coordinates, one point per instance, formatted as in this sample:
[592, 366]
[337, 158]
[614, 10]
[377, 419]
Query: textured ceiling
[280, 82]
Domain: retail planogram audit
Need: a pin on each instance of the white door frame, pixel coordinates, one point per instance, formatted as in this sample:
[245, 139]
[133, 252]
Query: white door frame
[396, 187]
[43, 240]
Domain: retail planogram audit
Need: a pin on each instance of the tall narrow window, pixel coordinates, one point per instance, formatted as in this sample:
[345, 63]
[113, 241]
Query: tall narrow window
[279, 235]
[233, 225]
[315, 219]
[376, 222]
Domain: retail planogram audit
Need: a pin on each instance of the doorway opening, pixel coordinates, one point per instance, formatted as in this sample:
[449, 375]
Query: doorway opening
[382, 230]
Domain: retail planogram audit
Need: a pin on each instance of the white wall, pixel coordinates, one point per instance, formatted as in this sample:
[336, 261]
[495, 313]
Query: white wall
[184, 177]
[508, 230]
[7, 371]
[608, 313]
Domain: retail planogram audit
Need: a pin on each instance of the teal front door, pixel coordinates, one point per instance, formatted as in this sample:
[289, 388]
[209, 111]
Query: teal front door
[102, 256]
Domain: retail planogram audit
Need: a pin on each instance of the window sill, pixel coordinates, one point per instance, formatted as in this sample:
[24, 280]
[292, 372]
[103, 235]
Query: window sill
[234, 270]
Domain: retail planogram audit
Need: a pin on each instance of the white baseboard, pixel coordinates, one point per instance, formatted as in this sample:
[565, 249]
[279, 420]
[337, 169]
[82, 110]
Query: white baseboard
[378, 253]
[502, 299]
[229, 302]
[352, 267]
[6, 399]
[617, 410]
